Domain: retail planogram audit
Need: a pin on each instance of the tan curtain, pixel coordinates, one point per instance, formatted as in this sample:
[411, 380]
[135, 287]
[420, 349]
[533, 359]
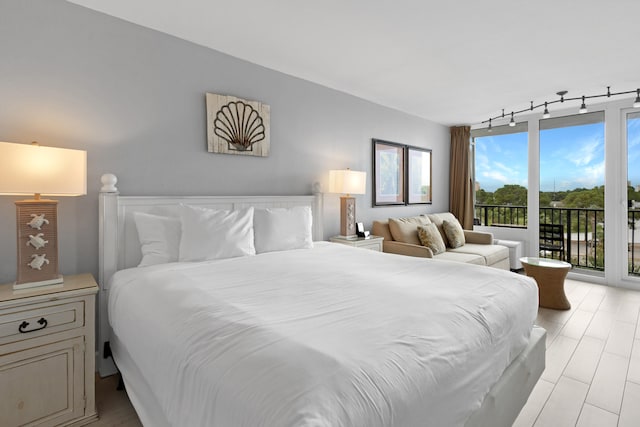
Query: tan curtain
[460, 180]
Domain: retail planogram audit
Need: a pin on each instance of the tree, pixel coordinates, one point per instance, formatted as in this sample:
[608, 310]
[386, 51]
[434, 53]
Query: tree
[583, 198]
[545, 199]
[511, 194]
[632, 194]
[484, 197]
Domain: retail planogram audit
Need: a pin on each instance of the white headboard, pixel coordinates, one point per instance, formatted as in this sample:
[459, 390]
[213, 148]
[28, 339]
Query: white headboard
[119, 247]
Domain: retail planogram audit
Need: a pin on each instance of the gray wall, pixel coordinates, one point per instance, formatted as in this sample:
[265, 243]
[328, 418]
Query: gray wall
[134, 99]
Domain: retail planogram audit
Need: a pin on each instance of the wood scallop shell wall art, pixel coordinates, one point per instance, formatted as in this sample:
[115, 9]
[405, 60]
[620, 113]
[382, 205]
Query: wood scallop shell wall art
[237, 126]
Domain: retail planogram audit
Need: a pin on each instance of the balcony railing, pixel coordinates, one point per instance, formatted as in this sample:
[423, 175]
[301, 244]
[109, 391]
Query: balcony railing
[633, 240]
[502, 215]
[583, 232]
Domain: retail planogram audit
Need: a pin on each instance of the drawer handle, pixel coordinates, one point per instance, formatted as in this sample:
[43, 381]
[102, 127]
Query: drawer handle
[23, 326]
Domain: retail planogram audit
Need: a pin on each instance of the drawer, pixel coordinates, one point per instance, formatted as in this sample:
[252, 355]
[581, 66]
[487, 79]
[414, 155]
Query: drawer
[373, 246]
[22, 323]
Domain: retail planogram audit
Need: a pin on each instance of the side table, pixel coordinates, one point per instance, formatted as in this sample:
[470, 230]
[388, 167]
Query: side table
[47, 353]
[549, 274]
[373, 243]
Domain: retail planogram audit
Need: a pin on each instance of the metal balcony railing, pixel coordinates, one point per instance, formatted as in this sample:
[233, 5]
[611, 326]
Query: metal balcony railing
[583, 232]
[633, 218]
[502, 215]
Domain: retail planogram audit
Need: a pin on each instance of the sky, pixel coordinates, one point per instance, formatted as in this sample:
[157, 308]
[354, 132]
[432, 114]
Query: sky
[570, 157]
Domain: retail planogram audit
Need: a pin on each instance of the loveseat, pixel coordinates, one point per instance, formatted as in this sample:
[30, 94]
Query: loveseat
[401, 237]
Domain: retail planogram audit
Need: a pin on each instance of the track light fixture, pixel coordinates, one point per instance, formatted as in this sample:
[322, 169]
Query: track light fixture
[583, 107]
[561, 94]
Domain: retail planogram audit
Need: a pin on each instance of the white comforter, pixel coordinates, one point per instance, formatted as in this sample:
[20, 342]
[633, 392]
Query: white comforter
[331, 336]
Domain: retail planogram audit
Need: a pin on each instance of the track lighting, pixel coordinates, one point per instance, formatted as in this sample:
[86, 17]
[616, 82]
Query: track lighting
[489, 128]
[561, 94]
[583, 107]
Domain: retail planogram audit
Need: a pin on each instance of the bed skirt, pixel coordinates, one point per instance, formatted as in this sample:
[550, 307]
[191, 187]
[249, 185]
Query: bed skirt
[500, 407]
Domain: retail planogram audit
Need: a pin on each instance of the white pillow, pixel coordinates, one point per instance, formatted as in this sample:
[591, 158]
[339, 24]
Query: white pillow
[215, 234]
[159, 238]
[281, 229]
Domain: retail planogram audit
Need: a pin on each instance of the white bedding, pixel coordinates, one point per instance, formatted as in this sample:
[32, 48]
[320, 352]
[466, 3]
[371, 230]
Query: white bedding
[329, 336]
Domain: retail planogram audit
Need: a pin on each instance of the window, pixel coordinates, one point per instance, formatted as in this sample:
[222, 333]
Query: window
[633, 192]
[573, 158]
[572, 188]
[501, 175]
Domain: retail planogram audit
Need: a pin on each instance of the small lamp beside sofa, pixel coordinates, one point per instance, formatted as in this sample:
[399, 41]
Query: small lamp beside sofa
[403, 236]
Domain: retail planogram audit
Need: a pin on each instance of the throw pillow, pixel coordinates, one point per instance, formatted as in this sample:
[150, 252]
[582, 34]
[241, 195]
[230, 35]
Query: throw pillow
[281, 229]
[431, 238]
[454, 232]
[404, 229]
[437, 220]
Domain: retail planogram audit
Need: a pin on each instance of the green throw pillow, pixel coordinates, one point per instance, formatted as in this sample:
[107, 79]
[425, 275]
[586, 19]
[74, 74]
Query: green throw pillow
[454, 233]
[431, 238]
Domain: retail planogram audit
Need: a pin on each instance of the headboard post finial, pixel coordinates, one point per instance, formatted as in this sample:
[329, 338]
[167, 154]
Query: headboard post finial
[109, 181]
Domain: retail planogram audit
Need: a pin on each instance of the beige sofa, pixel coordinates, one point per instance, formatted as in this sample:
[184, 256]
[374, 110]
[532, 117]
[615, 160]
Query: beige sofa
[401, 237]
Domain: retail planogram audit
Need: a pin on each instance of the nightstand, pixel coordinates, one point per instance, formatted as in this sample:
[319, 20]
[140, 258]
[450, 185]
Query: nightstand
[47, 353]
[373, 243]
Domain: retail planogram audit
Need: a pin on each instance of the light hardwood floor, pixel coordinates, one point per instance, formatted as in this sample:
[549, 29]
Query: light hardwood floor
[114, 407]
[592, 377]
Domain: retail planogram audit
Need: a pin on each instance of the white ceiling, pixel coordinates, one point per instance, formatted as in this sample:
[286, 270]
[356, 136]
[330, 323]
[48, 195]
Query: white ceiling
[453, 62]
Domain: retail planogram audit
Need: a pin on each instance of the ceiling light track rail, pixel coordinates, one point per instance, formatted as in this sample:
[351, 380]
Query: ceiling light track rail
[561, 94]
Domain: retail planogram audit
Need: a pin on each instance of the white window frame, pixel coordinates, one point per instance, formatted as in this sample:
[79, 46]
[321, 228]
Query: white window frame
[616, 256]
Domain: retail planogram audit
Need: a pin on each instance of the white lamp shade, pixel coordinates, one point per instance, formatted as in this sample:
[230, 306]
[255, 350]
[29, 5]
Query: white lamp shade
[347, 182]
[34, 169]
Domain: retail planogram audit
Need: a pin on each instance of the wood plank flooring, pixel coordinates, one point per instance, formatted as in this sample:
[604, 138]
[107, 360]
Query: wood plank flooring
[592, 377]
[114, 407]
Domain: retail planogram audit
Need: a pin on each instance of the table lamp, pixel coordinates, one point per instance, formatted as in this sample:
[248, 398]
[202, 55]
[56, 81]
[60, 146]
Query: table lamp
[37, 170]
[347, 182]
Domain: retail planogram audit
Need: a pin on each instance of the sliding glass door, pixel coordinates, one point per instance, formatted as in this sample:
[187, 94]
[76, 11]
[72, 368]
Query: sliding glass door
[633, 192]
[572, 172]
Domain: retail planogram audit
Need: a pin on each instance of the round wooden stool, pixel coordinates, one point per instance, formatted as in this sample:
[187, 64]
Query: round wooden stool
[549, 274]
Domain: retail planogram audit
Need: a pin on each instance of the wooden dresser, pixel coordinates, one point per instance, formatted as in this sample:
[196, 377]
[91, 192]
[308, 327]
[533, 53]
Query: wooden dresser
[47, 354]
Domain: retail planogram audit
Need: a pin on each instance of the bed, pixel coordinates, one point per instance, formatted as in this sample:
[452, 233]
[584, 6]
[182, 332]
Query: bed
[323, 336]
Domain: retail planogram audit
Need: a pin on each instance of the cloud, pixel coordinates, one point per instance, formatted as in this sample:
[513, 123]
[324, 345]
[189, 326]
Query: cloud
[588, 150]
[633, 137]
[500, 160]
[591, 176]
[504, 168]
[496, 176]
[482, 161]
